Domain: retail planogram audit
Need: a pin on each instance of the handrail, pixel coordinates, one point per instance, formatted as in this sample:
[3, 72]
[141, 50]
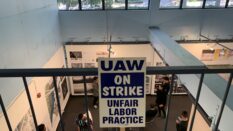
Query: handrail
[45, 72]
[94, 71]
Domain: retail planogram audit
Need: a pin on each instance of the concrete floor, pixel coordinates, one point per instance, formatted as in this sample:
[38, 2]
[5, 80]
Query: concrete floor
[76, 105]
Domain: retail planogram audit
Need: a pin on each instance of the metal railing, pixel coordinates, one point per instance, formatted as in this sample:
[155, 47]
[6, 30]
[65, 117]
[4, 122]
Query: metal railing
[24, 73]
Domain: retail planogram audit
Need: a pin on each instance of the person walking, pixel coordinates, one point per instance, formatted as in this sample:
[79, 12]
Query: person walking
[161, 101]
[166, 84]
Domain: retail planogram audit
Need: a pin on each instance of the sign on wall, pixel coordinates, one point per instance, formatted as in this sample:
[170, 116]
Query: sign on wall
[122, 92]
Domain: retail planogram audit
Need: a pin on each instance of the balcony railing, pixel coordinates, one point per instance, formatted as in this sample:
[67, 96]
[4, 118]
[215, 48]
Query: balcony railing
[24, 73]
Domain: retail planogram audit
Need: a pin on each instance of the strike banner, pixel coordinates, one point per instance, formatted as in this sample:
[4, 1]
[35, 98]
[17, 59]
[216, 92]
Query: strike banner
[122, 92]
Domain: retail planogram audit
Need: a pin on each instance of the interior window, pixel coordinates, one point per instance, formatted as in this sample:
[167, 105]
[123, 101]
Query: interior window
[215, 3]
[138, 4]
[114, 4]
[169, 4]
[192, 3]
[91, 4]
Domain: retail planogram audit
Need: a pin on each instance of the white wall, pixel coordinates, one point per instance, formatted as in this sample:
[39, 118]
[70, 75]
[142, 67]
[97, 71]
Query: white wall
[20, 106]
[196, 50]
[199, 122]
[133, 25]
[29, 36]
[91, 25]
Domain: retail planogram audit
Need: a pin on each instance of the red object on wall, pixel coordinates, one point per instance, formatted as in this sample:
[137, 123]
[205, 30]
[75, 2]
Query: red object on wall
[38, 95]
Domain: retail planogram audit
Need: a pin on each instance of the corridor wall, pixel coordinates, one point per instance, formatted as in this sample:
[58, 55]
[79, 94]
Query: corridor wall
[29, 36]
[45, 104]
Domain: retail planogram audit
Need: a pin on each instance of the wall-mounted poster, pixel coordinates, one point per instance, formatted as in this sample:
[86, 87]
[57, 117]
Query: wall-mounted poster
[78, 84]
[26, 123]
[220, 54]
[64, 88]
[75, 55]
[89, 65]
[148, 84]
[62, 77]
[207, 55]
[76, 65]
[51, 100]
[102, 54]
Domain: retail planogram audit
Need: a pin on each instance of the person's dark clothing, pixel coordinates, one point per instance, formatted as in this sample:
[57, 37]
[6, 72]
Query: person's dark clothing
[41, 127]
[84, 125]
[161, 100]
[182, 126]
[150, 114]
[95, 100]
[166, 87]
[162, 109]
[161, 97]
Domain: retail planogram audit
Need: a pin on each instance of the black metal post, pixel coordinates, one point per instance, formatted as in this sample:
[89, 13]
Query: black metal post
[181, 4]
[30, 102]
[203, 4]
[103, 4]
[5, 114]
[126, 4]
[227, 3]
[58, 102]
[80, 4]
[196, 101]
[94, 71]
[86, 99]
[169, 102]
[223, 102]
